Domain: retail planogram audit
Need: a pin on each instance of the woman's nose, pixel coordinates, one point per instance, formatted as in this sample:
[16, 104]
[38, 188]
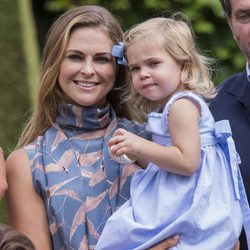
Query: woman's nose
[87, 68]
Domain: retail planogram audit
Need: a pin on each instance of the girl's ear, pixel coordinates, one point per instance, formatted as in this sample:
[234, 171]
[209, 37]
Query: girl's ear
[185, 67]
[182, 66]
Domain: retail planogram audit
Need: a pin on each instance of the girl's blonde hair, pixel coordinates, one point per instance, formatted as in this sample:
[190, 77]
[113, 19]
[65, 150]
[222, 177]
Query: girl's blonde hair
[49, 91]
[177, 38]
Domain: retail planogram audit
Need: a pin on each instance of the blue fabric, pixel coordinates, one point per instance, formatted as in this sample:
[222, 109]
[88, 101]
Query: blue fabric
[205, 209]
[72, 171]
[248, 72]
[118, 51]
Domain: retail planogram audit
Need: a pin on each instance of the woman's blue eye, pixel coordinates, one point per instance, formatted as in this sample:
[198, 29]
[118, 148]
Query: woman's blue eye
[102, 59]
[74, 57]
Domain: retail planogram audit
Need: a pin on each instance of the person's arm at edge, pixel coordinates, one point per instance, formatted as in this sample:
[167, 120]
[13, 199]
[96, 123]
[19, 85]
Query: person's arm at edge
[3, 181]
[237, 246]
[25, 208]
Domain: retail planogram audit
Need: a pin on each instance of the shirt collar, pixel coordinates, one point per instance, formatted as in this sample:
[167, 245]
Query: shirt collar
[248, 71]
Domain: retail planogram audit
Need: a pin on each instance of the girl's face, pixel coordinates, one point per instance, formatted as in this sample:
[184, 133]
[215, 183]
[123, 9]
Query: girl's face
[87, 73]
[155, 74]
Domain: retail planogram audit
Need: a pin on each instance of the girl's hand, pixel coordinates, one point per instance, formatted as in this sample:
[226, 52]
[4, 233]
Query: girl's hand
[124, 142]
[3, 181]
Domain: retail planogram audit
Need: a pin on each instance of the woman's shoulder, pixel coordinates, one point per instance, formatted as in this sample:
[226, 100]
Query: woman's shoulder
[34, 146]
[16, 160]
[23, 155]
[16, 155]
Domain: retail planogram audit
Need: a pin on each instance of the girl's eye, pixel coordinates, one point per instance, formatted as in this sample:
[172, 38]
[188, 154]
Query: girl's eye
[133, 69]
[154, 63]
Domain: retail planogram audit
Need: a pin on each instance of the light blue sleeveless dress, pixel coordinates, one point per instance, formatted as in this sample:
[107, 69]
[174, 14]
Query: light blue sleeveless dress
[205, 209]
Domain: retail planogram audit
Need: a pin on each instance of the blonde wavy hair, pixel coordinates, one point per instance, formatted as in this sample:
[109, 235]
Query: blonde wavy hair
[49, 92]
[177, 38]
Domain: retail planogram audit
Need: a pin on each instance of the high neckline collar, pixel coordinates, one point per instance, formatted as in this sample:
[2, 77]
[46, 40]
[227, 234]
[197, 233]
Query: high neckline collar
[86, 118]
[248, 72]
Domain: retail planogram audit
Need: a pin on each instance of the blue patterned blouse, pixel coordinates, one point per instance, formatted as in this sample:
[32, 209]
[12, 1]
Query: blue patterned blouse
[72, 171]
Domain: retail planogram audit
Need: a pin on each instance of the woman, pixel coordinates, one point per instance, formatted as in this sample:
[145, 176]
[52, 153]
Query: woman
[63, 184]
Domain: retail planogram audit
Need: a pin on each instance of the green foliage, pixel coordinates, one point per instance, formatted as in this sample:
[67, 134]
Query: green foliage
[213, 34]
[30, 46]
[3, 216]
[17, 59]
[14, 99]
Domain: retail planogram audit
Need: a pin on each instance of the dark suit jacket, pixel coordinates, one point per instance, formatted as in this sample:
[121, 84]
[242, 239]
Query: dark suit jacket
[233, 103]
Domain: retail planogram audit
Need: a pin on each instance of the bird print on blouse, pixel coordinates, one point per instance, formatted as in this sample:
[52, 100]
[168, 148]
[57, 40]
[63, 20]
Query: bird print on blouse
[74, 174]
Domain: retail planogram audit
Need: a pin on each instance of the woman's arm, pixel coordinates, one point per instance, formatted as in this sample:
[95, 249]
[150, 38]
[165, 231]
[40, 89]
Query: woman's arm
[237, 246]
[3, 182]
[25, 208]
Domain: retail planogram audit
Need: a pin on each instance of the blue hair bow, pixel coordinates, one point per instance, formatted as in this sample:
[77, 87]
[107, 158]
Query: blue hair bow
[118, 51]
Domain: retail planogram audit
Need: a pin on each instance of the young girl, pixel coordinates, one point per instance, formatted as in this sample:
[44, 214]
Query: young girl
[192, 185]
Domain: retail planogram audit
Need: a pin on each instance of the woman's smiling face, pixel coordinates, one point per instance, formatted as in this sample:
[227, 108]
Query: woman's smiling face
[88, 71]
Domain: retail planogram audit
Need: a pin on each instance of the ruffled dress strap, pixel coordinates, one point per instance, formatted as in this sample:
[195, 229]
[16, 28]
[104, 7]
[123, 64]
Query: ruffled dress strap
[157, 122]
[195, 98]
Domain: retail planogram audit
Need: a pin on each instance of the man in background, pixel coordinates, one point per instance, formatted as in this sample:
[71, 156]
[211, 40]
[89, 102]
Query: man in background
[233, 99]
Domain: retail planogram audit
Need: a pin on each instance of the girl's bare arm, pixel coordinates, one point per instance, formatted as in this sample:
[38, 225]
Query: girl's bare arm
[180, 158]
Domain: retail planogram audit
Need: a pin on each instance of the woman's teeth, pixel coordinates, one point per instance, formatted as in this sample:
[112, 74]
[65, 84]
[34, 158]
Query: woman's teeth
[86, 84]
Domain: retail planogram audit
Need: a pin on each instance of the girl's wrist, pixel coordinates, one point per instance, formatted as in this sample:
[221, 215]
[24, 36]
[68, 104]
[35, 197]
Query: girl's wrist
[124, 158]
[130, 157]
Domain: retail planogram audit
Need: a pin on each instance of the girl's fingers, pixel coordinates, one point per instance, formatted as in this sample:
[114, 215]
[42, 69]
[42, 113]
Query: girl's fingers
[115, 149]
[116, 140]
[120, 131]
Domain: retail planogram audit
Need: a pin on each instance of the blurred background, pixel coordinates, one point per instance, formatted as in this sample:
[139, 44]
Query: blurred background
[23, 27]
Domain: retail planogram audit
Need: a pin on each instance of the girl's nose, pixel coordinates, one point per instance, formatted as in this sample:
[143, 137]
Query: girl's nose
[144, 73]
